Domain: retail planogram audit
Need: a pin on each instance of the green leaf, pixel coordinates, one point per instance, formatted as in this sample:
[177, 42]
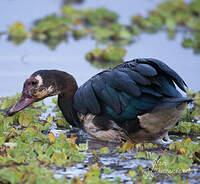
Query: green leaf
[104, 150]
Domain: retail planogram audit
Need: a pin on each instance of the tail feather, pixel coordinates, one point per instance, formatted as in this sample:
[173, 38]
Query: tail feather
[172, 102]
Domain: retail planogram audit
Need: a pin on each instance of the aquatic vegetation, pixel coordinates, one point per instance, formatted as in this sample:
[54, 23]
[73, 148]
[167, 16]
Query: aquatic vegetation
[50, 27]
[187, 149]
[140, 176]
[31, 153]
[80, 33]
[51, 30]
[17, 30]
[102, 24]
[194, 112]
[196, 108]
[104, 150]
[114, 32]
[99, 16]
[17, 33]
[186, 128]
[147, 155]
[172, 165]
[146, 146]
[74, 16]
[31, 173]
[193, 41]
[174, 16]
[29, 149]
[108, 57]
[127, 146]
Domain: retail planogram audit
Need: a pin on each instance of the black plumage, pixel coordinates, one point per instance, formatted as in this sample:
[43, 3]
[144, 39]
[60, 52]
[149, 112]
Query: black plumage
[132, 88]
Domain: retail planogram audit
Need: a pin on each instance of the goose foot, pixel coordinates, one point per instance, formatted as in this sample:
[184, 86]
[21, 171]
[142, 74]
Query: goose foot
[161, 142]
[167, 139]
[164, 141]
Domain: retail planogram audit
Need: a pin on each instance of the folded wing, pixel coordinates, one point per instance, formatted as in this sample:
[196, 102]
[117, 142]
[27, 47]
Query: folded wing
[132, 88]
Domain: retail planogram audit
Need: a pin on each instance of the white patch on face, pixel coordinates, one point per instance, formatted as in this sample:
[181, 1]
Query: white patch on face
[50, 89]
[46, 92]
[40, 81]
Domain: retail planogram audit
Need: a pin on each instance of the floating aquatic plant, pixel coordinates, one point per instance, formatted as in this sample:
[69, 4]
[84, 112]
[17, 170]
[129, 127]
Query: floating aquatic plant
[99, 16]
[173, 16]
[25, 148]
[114, 32]
[172, 165]
[17, 30]
[51, 30]
[108, 57]
[80, 33]
[74, 16]
[50, 27]
[186, 128]
[17, 33]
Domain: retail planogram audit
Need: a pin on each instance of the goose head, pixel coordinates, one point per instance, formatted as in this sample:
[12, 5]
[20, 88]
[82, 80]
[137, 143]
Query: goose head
[42, 84]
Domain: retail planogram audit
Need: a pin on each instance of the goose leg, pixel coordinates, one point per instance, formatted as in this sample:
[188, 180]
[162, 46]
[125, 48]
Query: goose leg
[164, 141]
[167, 139]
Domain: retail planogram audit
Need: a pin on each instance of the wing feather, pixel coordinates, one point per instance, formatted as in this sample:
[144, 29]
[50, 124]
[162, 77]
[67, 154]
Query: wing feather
[90, 99]
[166, 69]
[146, 70]
[106, 94]
[136, 76]
[130, 89]
[122, 82]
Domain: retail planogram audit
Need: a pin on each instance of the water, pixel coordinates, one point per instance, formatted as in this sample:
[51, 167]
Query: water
[19, 62]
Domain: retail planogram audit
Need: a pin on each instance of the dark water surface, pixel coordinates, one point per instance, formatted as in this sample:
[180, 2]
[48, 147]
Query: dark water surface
[18, 62]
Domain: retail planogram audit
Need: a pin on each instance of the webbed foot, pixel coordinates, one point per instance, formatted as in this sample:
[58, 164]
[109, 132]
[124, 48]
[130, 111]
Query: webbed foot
[167, 139]
[164, 141]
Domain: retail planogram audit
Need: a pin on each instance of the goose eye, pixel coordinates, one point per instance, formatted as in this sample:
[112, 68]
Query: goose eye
[34, 83]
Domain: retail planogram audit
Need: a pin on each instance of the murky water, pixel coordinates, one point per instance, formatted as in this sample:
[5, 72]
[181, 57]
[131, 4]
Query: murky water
[119, 164]
[18, 62]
